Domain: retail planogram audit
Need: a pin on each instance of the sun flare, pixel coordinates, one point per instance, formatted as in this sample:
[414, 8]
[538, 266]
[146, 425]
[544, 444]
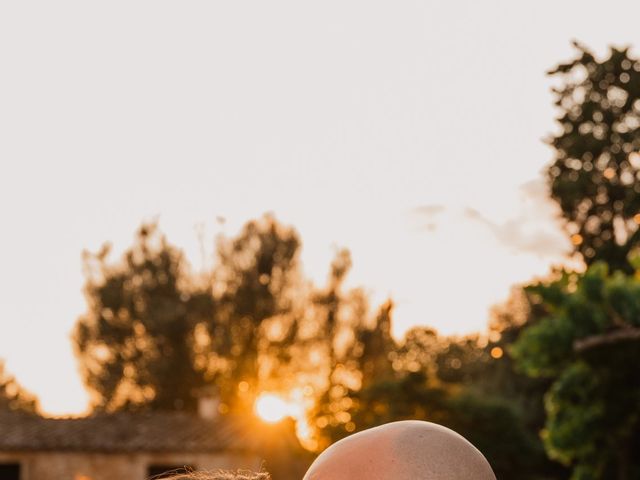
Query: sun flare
[272, 408]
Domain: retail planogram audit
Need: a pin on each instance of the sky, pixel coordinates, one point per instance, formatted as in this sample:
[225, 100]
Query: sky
[410, 132]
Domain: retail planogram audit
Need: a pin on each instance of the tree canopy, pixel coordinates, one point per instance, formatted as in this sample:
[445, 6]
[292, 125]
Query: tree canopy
[588, 345]
[595, 177]
[13, 396]
[135, 344]
[260, 298]
[155, 336]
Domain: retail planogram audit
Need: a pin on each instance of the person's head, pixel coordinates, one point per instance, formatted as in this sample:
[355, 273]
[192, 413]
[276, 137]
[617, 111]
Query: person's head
[221, 475]
[407, 450]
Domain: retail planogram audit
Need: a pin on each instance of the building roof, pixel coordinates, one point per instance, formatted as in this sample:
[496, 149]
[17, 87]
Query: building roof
[124, 432]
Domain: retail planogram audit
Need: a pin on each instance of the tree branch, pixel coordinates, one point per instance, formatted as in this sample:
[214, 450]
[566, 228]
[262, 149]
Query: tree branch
[616, 336]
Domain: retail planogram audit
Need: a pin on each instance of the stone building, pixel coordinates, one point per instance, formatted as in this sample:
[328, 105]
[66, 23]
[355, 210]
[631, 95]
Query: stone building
[123, 446]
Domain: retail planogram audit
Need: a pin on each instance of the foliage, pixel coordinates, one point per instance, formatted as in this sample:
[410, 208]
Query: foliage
[155, 336]
[352, 349]
[490, 423]
[13, 397]
[596, 172]
[135, 343]
[373, 346]
[259, 298]
[588, 347]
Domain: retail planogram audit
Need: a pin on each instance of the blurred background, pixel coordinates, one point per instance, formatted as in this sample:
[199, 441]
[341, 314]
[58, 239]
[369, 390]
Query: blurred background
[234, 233]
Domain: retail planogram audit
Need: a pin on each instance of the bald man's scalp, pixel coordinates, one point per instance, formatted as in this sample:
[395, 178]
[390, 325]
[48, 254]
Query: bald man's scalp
[433, 452]
[407, 450]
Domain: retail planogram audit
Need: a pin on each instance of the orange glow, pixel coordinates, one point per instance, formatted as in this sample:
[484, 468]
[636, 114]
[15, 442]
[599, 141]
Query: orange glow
[576, 239]
[609, 173]
[271, 408]
[496, 352]
[274, 407]
[636, 218]
[243, 387]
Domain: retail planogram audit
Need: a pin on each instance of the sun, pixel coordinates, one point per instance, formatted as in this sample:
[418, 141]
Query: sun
[272, 408]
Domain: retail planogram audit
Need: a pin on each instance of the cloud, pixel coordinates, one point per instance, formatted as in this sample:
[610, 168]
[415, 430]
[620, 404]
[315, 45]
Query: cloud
[429, 210]
[525, 233]
[430, 213]
[475, 215]
[532, 229]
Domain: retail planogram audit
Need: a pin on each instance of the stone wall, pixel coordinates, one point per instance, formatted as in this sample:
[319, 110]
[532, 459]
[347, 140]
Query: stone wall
[116, 466]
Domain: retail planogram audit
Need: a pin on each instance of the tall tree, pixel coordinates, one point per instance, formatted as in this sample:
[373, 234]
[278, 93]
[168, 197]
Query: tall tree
[258, 292]
[353, 350]
[595, 177]
[373, 347]
[13, 396]
[469, 383]
[484, 368]
[135, 343]
[588, 345]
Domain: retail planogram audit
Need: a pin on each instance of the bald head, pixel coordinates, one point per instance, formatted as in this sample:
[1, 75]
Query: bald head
[407, 450]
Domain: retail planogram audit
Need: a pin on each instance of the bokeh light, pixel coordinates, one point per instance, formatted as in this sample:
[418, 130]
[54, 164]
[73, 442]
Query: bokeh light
[272, 408]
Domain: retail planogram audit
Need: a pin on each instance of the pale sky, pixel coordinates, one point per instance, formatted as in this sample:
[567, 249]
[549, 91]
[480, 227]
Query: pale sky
[408, 131]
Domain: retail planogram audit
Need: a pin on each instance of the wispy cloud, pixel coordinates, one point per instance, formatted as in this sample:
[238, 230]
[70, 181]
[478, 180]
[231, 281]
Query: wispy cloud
[429, 214]
[533, 229]
[429, 210]
[521, 235]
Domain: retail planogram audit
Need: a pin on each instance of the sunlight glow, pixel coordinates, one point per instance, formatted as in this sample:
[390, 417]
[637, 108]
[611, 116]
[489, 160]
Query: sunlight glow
[272, 408]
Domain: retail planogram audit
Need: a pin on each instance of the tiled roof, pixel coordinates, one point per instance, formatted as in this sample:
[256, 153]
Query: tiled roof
[124, 432]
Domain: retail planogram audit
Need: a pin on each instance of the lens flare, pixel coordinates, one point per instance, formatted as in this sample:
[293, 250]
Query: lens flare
[272, 408]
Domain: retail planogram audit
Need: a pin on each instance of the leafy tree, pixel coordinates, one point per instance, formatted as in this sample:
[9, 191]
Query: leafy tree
[373, 347]
[595, 177]
[13, 397]
[484, 363]
[135, 343]
[462, 360]
[474, 368]
[335, 316]
[588, 347]
[453, 381]
[496, 374]
[154, 335]
[418, 351]
[354, 348]
[259, 298]
[490, 423]
[331, 302]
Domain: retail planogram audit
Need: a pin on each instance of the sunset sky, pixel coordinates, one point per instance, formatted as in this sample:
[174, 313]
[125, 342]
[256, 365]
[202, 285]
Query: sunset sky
[408, 131]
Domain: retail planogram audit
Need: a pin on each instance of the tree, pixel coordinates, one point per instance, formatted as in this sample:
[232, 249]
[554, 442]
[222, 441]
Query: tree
[452, 381]
[595, 177]
[477, 375]
[135, 344]
[490, 423]
[588, 347]
[155, 336]
[13, 397]
[373, 348]
[334, 316]
[259, 298]
[352, 350]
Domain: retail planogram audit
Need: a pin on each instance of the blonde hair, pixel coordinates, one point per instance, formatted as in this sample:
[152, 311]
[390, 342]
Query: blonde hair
[222, 475]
